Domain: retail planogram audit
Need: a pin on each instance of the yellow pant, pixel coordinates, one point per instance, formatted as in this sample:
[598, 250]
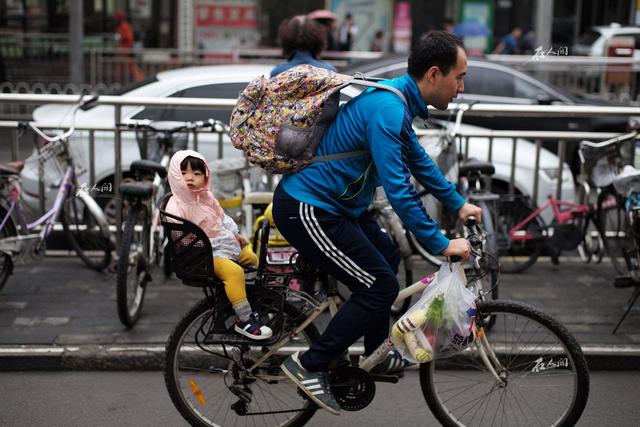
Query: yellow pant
[232, 274]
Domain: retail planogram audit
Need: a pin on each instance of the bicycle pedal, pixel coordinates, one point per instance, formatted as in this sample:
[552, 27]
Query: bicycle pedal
[624, 282]
[393, 379]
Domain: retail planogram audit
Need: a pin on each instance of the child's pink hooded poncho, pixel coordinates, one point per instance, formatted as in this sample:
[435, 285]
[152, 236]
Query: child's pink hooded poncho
[198, 206]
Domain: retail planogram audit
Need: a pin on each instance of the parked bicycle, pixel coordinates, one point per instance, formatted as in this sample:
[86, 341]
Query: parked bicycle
[574, 226]
[618, 209]
[82, 219]
[215, 377]
[142, 246]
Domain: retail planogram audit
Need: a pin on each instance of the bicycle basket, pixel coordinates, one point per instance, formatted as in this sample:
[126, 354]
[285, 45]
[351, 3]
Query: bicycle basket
[150, 143]
[53, 160]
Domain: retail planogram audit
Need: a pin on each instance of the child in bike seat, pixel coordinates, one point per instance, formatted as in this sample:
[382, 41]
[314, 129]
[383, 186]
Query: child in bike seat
[189, 178]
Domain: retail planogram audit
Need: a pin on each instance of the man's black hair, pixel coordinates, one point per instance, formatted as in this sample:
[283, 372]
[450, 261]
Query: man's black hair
[436, 48]
[196, 164]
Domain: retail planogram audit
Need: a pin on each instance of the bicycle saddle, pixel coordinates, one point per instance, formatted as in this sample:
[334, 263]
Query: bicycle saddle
[136, 189]
[148, 166]
[628, 181]
[476, 166]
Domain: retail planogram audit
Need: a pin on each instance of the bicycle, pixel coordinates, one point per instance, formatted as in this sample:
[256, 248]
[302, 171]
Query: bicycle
[604, 161]
[215, 377]
[618, 210]
[83, 221]
[142, 246]
[575, 226]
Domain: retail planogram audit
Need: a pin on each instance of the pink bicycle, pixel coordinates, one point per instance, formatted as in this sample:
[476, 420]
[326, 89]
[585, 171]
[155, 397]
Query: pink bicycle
[523, 233]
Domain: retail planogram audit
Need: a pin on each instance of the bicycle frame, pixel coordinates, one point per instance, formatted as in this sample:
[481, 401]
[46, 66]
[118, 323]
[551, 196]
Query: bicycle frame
[480, 340]
[560, 215]
[22, 247]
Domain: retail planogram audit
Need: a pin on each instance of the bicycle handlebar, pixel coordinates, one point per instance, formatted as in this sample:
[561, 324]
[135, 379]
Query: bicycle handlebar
[82, 102]
[591, 151]
[474, 237]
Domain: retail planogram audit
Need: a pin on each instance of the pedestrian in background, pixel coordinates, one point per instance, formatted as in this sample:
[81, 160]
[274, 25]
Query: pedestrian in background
[377, 44]
[302, 40]
[528, 43]
[448, 25]
[509, 43]
[346, 33]
[124, 60]
[328, 20]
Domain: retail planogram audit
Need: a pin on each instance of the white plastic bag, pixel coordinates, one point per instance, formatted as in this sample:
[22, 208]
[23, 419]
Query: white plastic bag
[441, 322]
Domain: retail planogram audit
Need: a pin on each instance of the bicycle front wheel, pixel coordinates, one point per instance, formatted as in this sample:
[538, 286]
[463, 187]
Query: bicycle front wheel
[542, 376]
[208, 381]
[87, 233]
[133, 265]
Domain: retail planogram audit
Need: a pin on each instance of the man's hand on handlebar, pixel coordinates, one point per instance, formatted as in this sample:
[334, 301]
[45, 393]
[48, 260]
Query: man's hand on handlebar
[458, 248]
[468, 210]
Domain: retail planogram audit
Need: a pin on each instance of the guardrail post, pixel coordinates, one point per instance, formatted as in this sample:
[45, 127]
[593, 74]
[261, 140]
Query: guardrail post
[92, 159]
[536, 172]
[14, 145]
[117, 176]
[220, 153]
[512, 175]
[195, 140]
[562, 148]
[487, 179]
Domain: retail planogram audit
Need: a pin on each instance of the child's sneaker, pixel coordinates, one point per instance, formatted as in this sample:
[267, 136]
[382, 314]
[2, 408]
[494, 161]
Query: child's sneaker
[253, 328]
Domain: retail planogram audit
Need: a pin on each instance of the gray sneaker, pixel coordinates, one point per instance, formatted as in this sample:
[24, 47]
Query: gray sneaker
[392, 364]
[313, 384]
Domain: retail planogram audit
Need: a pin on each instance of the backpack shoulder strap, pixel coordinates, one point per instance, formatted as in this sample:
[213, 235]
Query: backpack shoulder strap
[380, 86]
[361, 82]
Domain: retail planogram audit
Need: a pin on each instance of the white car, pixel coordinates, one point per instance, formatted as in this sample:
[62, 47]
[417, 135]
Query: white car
[221, 81]
[595, 40]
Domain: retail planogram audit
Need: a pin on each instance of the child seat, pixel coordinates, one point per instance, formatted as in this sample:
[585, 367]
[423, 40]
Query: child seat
[191, 258]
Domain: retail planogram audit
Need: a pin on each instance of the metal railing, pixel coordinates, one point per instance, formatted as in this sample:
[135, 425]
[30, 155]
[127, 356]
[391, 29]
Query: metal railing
[119, 102]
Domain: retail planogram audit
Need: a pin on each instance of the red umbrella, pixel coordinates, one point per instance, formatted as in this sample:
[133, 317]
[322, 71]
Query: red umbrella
[322, 15]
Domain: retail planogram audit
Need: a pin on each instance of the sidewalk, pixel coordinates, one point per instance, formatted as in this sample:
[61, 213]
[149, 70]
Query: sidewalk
[61, 315]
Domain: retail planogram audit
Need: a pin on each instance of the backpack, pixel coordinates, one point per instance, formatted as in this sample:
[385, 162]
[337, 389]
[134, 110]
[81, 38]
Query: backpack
[279, 122]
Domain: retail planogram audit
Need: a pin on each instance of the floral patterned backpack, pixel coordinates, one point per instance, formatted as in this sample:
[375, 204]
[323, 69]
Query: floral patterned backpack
[279, 122]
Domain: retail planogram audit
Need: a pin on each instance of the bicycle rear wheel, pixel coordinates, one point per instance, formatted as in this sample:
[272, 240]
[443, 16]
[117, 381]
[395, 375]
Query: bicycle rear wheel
[133, 265]
[518, 255]
[545, 380]
[614, 228]
[209, 384]
[87, 233]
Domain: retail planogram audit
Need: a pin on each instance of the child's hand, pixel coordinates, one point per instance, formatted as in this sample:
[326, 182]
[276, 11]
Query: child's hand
[242, 240]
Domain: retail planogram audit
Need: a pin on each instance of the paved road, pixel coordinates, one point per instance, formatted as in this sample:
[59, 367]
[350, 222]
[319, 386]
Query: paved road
[140, 399]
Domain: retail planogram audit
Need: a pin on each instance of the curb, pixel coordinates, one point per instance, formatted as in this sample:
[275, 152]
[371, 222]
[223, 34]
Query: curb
[151, 357]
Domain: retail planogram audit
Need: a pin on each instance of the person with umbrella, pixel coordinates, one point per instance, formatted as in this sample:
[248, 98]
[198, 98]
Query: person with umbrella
[329, 20]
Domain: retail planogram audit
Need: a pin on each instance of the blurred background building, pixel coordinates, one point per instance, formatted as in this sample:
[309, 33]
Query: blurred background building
[35, 34]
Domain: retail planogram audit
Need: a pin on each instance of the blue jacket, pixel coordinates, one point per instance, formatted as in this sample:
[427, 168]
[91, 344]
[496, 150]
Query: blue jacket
[377, 121]
[301, 57]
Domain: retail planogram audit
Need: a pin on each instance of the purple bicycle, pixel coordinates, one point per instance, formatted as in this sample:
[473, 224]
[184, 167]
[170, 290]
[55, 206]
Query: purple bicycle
[83, 221]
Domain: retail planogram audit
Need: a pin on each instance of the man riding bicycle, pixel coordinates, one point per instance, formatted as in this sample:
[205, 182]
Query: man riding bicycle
[321, 209]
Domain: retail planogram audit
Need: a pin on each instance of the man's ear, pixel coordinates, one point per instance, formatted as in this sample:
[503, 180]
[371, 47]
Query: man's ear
[432, 74]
